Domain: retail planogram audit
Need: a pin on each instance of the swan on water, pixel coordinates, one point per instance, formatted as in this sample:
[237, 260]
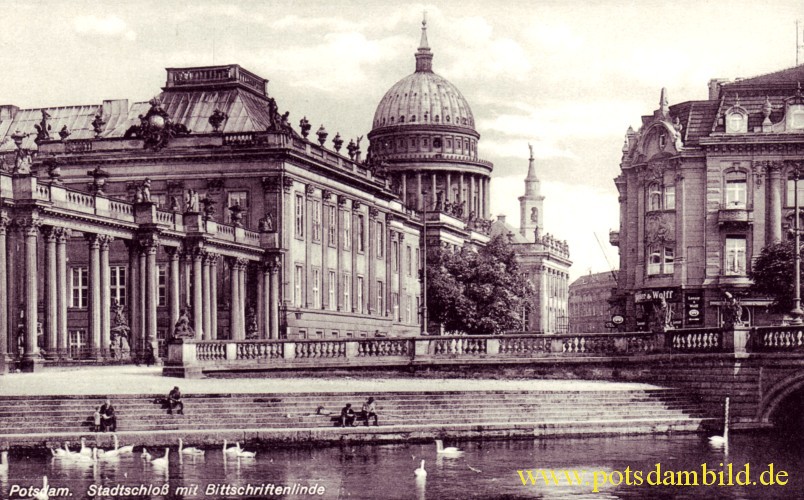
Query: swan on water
[420, 472]
[233, 450]
[189, 450]
[450, 451]
[3, 461]
[122, 449]
[146, 455]
[84, 450]
[59, 453]
[245, 454]
[161, 461]
[721, 441]
[42, 494]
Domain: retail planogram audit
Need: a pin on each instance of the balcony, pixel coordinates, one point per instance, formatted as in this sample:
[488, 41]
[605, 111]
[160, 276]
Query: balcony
[735, 215]
[614, 238]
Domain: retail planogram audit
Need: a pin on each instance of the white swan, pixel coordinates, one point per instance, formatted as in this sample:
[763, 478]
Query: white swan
[86, 459]
[420, 472]
[122, 449]
[42, 494]
[233, 450]
[146, 455]
[84, 450]
[3, 462]
[450, 451]
[245, 454]
[161, 461]
[189, 450]
[59, 453]
[722, 441]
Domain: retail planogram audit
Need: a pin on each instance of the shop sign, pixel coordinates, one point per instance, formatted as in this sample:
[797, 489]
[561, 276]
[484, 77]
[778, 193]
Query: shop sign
[654, 294]
[693, 308]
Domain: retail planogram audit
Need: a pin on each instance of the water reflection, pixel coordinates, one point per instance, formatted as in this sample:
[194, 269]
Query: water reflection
[484, 469]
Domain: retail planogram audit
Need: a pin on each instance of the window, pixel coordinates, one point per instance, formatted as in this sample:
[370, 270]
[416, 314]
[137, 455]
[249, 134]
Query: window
[332, 284]
[297, 286]
[419, 311]
[360, 306]
[669, 197]
[361, 233]
[117, 279]
[395, 256]
[160, 199]
[380, 240]
[316, 216]
[316, 289]
[408, 300]
[409, 260]
[395, 301]
[77, 343]
[332, 226]
[735, 255]
[736, 192]
[162, 295]
[660, 260]
[79, 286]
[654, 197]
[347, 230]
[791, 191]
[299, 216]
[238, 198]
[380, 300]
[436, 142]
[347, 292]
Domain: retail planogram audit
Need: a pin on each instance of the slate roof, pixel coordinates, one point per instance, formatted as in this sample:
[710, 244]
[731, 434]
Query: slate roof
[503, 228]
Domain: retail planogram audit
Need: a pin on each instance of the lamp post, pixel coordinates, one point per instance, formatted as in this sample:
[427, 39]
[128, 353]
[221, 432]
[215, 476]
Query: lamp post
[425, 318]
[796, 313]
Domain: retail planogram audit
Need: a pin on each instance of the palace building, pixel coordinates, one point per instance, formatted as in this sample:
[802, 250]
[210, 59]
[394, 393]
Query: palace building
[705, 185]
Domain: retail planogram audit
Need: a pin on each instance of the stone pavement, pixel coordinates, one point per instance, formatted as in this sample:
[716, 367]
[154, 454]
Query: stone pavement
[139, 380]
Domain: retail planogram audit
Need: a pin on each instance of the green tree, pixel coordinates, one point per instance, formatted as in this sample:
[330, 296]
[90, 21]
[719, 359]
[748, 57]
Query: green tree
[772, 274]
[478, 292]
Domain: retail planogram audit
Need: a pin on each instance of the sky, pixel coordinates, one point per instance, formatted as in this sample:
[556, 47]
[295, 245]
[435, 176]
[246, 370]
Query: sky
[567, 76]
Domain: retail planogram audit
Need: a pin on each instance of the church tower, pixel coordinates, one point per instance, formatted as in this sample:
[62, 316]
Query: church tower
[531, 205]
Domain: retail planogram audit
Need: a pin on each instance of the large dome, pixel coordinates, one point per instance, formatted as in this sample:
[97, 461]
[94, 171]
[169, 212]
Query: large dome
[423, 98]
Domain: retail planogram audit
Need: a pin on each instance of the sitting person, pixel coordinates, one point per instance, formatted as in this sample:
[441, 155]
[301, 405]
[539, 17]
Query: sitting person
[347, 416]
[174, 401]
[96, 421]
[108, 420]
[369, 410]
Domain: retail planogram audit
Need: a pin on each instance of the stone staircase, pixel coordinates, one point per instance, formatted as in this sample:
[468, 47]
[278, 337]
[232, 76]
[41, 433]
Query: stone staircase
[540, 413]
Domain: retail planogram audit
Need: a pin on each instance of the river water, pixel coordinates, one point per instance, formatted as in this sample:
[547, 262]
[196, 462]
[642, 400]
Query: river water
[484, 470]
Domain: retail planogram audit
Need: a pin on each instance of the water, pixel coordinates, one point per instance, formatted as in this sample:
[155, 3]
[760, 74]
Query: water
[485, 470]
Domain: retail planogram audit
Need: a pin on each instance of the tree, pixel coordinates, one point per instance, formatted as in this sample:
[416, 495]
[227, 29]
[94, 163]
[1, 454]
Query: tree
[479, 293]
[772, 274]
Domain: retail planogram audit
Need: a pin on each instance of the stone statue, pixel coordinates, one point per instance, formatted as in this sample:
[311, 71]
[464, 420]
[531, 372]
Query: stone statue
[138, 198]
[146, 190]
[252, 330]
[183, 330]
[732, 311]
[191, 201]
[267, 223]
[119, 333]
[530, 146]
[662, 316]
[534, 214]
[439, 201]
[174, 204]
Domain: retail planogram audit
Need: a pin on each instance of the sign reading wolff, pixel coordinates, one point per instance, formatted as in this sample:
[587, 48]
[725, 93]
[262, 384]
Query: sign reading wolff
[654, 294]
[693, 307]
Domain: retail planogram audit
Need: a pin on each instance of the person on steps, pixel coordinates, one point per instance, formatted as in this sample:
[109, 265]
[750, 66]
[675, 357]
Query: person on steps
[174, 401]
[347, 416]
[369, 410]
[108, 420]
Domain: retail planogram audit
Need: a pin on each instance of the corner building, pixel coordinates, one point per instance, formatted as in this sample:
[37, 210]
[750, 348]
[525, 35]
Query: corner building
[705, 185]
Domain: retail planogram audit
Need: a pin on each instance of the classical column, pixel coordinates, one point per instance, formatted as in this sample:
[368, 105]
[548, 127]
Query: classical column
[198, 297]
[448, 187]
[4, 348]
[63, 235]
[94, 295]
[265, 301]
[775, 209]
[241, 307]
[105, 291]
[133, 298]
[389, 275]
[371, 260]
[434, 191]
[150, 243]
[234, 332]
[51, 291]
[273, 299]
[405, 189]
[486, 211]
[471, 204]
[205, 296]
[401, 276]
[420, 202]
[142, 295]
[213, 296]
[30, 229]
[175, 304]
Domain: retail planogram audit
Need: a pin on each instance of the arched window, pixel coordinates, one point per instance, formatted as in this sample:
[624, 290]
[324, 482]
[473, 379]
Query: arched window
[392, 120]
[447, 119]
[654, 197]
[436, 119]
[437, 143]
[402, 119]
[413, 118]
[736, 189]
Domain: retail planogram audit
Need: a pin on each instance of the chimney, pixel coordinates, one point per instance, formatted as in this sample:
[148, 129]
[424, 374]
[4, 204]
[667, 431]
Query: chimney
[501, 218]
[714, 87]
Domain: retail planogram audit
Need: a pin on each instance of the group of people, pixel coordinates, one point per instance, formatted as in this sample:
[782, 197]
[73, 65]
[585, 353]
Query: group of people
[348, 415]
[105, 419]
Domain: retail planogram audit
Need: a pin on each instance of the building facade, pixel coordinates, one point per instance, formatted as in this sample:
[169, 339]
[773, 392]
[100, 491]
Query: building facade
[705, 185]
[543, 259]
[589, 302]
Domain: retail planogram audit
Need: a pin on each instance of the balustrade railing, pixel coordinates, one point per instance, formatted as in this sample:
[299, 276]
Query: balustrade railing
[777, 339]
[383, 347]
[320, 349]
[697, 340]
[259, 350]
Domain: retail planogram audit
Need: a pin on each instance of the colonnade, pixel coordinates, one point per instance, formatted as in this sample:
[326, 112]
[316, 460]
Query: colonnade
[455, 186]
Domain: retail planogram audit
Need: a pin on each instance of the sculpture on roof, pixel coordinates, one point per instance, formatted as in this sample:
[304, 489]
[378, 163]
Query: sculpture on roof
[191, 201]
[732, 311]
[146, 190]
[156, 128]
[43, 128]
[209, 207]
[266, 224]
[304, 125]
[97, 125]
[64, 133]
[217, 118]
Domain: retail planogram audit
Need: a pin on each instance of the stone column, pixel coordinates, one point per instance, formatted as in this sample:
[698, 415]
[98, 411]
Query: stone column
[213, 296]
[420, 201]
[198, 297]
[175, 303]
[241, 307]
[775, 210]
[448, 187]
[105, 291]
[133, 298]
[471, 203]
[62, 236]
[486, 207]
[404, 189]
[371, 260]
[150, 243]
[4, 337]
[30, 229]
[433, 191]
[94, 295]
[142, 295]
[13, 289]
[234, 332]
[51, 292]
[205, 296]
[273, 299]
[265, 301]
[401, 276]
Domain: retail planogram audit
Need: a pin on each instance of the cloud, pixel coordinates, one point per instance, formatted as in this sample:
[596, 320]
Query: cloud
[111, 26]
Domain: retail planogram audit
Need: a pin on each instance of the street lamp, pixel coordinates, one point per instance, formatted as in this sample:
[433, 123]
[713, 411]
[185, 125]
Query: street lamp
[796, 312]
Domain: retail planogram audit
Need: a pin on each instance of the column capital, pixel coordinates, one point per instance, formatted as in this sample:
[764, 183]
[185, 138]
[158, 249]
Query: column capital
[272, 263]
[241, 263]
[28, 225]
[211, 258]
[174, 252]
[148, 243]
[104, 240]
[769, 166]
[5, 222]
[373, 212]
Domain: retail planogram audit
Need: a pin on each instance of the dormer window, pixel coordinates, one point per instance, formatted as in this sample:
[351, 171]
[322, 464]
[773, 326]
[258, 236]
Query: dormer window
[736, 120]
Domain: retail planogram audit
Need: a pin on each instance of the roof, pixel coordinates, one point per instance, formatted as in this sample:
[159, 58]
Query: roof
[602, 279]
[791, 75]
[501, 227]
